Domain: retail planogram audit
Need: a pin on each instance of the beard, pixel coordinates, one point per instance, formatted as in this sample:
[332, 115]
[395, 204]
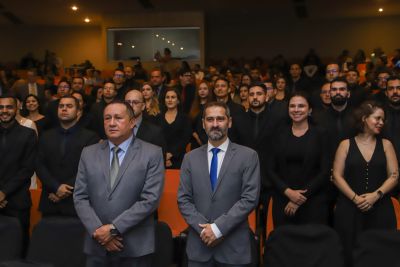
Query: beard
[339, 100]
[216, 134]
[10, 118]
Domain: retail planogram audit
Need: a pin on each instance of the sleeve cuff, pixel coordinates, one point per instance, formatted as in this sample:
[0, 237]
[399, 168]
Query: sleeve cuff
[216, 231]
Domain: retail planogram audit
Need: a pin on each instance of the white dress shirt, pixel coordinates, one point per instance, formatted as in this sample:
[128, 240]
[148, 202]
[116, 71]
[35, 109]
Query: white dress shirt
[221, 155]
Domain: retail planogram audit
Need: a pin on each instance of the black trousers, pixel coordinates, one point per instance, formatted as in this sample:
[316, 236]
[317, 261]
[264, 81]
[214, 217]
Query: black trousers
[23, 217]
[115, 261]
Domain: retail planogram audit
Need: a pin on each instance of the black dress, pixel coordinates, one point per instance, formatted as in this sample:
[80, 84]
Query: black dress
[363, 177]
[177, 135]
[299, 163]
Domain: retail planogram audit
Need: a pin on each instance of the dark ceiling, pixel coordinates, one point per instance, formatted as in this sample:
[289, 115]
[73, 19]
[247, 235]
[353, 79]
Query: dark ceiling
[58, 12]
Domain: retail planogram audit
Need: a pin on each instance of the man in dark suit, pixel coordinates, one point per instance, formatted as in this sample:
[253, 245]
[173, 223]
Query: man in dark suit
[22, 89]
[144, 129]
[219, 187]
[59, 151]
[18, 150]
[117, 190]
[157, 80]
[186, 88]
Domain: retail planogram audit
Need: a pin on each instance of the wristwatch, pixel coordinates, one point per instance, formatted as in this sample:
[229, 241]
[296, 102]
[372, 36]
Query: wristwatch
[380, 194]
[113, 230]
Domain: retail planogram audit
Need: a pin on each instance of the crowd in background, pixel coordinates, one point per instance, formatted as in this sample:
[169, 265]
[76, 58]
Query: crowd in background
[295, 115]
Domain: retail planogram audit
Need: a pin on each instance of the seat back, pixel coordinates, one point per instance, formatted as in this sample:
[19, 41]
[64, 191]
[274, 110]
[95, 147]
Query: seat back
[377, 248]
[164, 246]
[304, 245]
[58, 241]
[11, 238]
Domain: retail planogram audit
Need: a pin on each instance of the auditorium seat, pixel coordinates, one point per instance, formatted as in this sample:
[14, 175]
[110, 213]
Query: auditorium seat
[58, 241]
[377, 248]
[11, 238]
[303, 245]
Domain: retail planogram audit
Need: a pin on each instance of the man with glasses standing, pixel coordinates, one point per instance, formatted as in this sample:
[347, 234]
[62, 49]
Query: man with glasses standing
[120, 86]
[186, 88]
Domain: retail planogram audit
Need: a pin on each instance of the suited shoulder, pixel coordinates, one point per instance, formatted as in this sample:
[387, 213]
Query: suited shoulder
[148, 147]
[244, 150]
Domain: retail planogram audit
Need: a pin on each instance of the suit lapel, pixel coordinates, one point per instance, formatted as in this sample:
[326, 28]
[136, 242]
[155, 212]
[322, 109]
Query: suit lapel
[105, 157]
[129, 156]
[225, 165]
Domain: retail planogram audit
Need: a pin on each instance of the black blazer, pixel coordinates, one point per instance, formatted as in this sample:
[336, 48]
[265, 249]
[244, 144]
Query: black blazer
[18, 146]
[152, 134]
[55, 168]
[316, 164]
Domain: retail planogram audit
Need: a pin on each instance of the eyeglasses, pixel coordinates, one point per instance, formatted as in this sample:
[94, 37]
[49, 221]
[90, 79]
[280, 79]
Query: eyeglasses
[332, 71]
[64, 86]
[119, 75]
[133, 102]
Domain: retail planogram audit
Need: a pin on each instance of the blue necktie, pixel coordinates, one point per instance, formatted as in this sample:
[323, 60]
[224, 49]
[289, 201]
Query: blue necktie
[214, 167]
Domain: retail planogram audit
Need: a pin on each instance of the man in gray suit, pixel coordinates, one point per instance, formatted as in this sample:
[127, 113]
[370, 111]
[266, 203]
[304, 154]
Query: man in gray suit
[117, 190]
[22, 88]
[219, 187]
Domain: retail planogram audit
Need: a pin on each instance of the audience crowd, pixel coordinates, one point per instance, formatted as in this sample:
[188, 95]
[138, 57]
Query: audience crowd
[326, 135]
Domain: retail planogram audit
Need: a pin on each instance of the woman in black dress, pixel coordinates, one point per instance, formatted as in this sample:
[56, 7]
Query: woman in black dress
[365, 170]
[32, 111]
[176, 128]
[299, 168]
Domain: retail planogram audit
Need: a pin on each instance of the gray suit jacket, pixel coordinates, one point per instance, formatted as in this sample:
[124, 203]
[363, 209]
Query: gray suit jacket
[234, 197]
[21, 90]
[129, 204]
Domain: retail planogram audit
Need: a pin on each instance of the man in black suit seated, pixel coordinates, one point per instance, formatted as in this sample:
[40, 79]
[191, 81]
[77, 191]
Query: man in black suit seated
[18, 151]
[144, 129]
[58, 158]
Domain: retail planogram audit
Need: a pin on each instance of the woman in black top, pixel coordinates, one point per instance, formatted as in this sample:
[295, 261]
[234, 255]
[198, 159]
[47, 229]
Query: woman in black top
[365, 170]
[176, 128]
[299, 169]
[32, 111]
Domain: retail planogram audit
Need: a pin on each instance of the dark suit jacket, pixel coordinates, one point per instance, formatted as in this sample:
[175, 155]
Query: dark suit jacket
[152, 134]
[55, 168]
[21, 90]
[18, 149]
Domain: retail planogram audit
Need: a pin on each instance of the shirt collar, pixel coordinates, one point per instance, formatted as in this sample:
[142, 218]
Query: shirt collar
[123, 146]
[138, 121]
[223, 146]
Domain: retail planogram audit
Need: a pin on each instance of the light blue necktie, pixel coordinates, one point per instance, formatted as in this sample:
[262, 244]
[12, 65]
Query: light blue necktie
[214, 168]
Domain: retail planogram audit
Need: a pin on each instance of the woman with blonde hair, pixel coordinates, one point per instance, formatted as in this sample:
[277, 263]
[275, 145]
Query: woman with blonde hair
[151, 101]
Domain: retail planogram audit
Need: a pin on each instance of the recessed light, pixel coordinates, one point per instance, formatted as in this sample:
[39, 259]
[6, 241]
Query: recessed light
[380, 9]
[74, 8]
[163, 38]
[133, 46]
[119, 44]
[87, 20]
[173, 44]
[181, 48]
[168, 41]
[157, 35]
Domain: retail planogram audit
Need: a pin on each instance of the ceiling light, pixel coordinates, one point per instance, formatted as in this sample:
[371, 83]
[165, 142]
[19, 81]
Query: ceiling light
[133, 46]
[380, 9]
[173, 44]
[163, 38]
[87, 20]
[119, 44]
[181, 48]
[168, 41]
[157, 35]
[74, 8]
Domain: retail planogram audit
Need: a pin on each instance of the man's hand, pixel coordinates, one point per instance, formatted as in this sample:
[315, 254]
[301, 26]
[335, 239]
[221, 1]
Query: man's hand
[2, 196]
[296, 196]
[207, 235]
[64, 191]
[291, 208]
[115, 244]
[102, 234]
[3, 204]
[54, 198]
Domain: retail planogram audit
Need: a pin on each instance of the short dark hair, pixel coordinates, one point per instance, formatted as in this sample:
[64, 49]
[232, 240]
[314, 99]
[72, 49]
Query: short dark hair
[78, 77]
[71, 97]
[129, 109]
[354, 70]
[392, 78]
[262, 85]
[9, 96]
[217, 104]
[363, 111]
[64, 81]
[222, 79]
[342, 80]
